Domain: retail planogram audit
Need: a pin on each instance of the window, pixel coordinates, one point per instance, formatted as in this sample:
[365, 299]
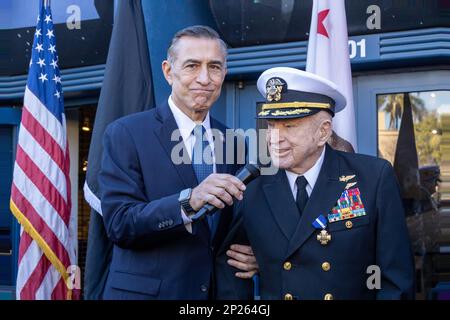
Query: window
[414, 135]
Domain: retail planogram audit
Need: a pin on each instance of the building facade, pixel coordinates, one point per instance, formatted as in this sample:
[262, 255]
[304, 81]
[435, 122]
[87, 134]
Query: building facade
[400, 58]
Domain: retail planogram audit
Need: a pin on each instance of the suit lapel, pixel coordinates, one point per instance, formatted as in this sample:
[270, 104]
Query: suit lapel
[326, 191]
[164, 134]
[184, 169]
[219, 147]
[281, 202]
[221, 167]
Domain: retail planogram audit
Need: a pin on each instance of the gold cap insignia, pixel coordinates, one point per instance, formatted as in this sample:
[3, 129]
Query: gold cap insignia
[274, 88]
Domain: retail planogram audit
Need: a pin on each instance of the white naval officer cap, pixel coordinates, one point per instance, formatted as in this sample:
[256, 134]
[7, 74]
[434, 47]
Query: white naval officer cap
[293, 93]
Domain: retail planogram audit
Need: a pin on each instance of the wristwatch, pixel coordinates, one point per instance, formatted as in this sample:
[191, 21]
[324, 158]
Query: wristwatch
[184, 198]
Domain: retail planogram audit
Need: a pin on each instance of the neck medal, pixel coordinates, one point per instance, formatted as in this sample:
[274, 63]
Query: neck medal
[320, 224]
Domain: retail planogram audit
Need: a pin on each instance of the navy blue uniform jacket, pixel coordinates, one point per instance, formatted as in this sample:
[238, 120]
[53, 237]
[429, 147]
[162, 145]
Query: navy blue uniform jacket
[154, 256]
[295, 265]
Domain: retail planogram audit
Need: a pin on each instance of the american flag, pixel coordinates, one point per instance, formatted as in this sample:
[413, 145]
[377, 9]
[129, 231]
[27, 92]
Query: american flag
[40, 192]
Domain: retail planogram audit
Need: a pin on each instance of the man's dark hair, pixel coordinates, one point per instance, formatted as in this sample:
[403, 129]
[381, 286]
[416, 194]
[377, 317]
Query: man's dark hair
[194, 32]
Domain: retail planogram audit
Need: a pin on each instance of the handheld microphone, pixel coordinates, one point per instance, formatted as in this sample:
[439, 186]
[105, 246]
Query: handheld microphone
[246, 175]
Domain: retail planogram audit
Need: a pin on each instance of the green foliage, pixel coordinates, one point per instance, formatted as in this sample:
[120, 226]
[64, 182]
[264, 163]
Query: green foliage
[427, 142]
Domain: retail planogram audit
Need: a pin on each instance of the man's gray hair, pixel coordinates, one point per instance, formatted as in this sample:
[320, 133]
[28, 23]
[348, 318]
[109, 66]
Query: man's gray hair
[194, 32]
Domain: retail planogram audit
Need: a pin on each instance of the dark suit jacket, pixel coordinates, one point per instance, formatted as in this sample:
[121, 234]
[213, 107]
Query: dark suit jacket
[271, 220]
[154, 256]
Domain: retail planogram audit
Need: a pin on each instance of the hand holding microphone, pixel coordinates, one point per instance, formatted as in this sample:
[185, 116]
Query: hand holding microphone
[218, 189]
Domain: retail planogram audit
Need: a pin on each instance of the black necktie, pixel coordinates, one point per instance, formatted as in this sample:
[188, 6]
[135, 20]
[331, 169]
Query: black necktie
[302, 195]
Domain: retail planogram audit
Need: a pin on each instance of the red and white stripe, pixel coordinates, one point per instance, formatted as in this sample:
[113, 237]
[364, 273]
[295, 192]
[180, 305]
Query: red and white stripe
[41, 193]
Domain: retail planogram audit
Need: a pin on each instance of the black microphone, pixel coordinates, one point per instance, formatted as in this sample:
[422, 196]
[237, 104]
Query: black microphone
[246, 175]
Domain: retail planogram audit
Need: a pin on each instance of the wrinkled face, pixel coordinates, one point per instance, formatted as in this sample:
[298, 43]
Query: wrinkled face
[296, 144]
[196, 74]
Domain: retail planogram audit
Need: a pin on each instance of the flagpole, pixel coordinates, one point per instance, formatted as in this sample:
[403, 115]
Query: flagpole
[46, 3]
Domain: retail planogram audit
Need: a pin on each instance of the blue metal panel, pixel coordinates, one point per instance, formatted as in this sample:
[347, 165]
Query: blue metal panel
[231, 105]
[376, 51]
[9, 121]
[6, 218]
[10, 116]
[219, 109]
[6, 293]
[237, 106]
[247, 97]
[163, 19]
[73, 80]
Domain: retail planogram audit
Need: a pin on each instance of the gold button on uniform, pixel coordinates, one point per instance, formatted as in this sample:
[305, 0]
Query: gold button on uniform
[328, 296]
[349, 224]
[287, 266]
[288, 296]
[326, 266]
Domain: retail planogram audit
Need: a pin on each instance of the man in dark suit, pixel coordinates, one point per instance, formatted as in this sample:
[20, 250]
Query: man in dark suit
[329, 224]
[150, 187]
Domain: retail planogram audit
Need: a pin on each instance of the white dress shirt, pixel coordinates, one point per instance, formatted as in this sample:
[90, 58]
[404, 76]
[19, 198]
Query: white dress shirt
[311, 176]
[186, 125]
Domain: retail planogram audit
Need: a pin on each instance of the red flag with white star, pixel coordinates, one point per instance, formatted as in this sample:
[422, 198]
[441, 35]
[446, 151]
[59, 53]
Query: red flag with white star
[328, 56]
